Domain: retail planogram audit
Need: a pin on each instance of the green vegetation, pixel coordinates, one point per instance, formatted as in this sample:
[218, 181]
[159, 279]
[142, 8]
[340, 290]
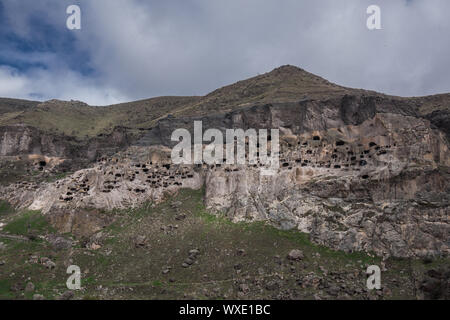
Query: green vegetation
[293, 236]
[229, 254]
[5, 208]
[284, 84]
[58, 176]
[28, 222]
[5, 286]
[76, 119]
[83, 121]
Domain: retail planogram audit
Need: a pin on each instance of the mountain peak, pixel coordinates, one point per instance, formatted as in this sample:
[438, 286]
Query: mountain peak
[283, 84]
[288, 68]
[294, 72]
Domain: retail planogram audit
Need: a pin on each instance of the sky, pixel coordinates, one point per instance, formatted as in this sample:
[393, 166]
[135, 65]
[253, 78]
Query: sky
[136, 49]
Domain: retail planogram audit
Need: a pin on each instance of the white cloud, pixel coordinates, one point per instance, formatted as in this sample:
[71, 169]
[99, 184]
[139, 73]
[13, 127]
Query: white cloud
[39, 84]
[140, 49]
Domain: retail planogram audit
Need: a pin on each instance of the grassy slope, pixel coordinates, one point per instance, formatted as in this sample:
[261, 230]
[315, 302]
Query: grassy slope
[432, 103]
[120, 270]
[5, 208]
[83, 120]
[284, 84]
[15, 105]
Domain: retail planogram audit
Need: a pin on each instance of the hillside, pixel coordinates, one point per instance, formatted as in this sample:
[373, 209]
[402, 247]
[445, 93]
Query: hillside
[150, 253]
[284, 84]
[80, 120]
[363, 178]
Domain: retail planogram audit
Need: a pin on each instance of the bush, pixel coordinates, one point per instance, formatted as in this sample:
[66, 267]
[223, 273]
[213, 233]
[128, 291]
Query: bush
[5, 208]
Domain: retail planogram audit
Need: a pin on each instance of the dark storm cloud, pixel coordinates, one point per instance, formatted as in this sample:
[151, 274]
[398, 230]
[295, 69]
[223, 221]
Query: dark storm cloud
[131, 49]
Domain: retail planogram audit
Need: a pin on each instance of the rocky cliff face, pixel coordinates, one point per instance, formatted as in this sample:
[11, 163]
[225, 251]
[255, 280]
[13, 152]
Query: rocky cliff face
[298, 117]
[379, 186]
[358, 171]
[22, 140]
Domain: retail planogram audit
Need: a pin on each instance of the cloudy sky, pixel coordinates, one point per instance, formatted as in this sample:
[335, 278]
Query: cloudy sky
[135, 49]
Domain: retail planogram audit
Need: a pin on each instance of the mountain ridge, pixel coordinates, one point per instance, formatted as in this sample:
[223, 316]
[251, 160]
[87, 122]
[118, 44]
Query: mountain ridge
[360, 174]
[283, 84]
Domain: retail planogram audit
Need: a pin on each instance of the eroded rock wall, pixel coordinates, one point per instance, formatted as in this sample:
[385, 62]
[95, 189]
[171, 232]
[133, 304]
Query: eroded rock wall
[356, 173]
[380, 186]
[24, 140]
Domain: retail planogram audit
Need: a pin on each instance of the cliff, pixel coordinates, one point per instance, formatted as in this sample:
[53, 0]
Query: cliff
[359, 170]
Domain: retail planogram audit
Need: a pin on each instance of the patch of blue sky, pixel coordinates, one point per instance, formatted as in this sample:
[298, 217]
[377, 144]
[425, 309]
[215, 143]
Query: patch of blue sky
[45, 46]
